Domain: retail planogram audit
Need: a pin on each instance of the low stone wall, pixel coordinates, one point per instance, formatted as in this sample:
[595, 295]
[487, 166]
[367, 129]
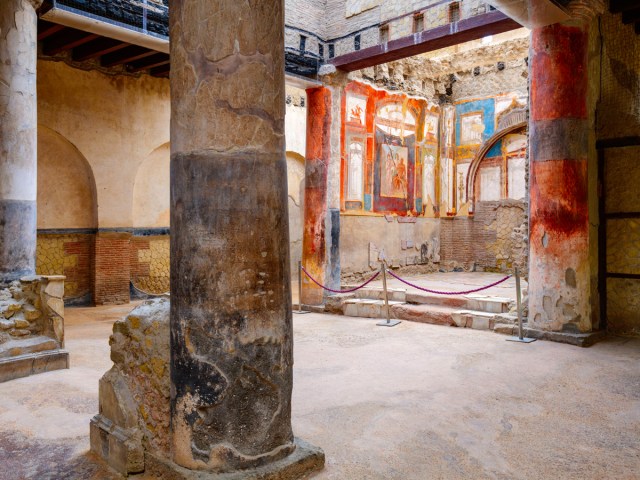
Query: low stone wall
[404, 241]
[134, 394]
[32, 326]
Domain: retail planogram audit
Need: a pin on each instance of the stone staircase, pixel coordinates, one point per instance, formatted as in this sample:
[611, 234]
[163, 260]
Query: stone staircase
[476, 311]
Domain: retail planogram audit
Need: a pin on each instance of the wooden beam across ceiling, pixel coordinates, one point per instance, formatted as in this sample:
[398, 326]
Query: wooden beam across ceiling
[126, 55]
[156, 60]
[46, 29]
[96, 48]
[162, 71]
[465, 30]
[66, 39]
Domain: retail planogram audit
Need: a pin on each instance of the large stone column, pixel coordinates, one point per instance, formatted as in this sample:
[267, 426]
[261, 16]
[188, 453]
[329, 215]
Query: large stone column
[231, 330]
[318, 157]
[561, 294]
[18, 138]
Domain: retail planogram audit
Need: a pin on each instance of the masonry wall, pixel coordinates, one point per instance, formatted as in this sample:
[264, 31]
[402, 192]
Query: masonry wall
[103, 162]
[486, 79]
[103, 181]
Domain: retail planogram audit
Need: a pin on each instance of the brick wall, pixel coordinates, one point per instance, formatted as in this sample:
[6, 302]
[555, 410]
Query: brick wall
[493, 239]
[112, 268]
[70, 255]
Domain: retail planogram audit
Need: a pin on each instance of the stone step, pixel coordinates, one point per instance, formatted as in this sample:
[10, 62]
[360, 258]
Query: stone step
[434, 314]
[481, 303]
[367, 308]
[444, 315]
[377, 293]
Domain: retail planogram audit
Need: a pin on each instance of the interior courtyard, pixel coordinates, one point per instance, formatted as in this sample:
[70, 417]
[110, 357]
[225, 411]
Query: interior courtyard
[212, 212]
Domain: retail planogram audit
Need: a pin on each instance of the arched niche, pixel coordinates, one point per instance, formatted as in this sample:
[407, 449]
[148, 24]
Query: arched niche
[66, 187]
[510, 122]
[151, 190]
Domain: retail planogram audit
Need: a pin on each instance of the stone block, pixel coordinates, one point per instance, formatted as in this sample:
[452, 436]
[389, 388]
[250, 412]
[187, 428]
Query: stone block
[55, 286]
[304, 461]
[120, 448]
[350, 310]
[31, 364]
[30, 312]
[6, 324]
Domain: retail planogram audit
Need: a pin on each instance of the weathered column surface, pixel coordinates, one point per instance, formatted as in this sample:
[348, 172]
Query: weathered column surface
[18, 141]
[560, 294]
[231, 331]
[318, 157]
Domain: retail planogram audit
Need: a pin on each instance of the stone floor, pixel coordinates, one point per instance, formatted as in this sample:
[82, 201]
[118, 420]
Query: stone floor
[455, 282]
[411, 402]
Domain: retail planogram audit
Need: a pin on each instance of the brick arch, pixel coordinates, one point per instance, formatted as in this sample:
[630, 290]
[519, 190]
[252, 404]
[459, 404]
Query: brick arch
[509, 123]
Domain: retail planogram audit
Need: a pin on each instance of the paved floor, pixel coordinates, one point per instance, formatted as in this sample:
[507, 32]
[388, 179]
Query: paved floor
[415, 401]
[456, 282]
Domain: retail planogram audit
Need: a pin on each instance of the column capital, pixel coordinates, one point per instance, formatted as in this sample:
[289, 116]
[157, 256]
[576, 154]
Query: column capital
[586, 9]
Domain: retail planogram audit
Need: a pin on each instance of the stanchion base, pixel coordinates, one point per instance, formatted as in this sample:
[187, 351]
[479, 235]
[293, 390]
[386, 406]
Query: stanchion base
[391, 323]
[300, 312]
[521, 340]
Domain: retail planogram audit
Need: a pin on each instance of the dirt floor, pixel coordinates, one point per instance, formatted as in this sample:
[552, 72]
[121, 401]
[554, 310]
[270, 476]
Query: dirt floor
[415, 401]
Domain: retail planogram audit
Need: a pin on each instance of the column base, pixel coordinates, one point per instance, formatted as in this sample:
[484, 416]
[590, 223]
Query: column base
[32, 364]
[305, 460]
[577, 339]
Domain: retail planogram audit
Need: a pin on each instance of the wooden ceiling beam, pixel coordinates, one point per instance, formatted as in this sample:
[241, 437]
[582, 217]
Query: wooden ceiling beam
[465, 30]
[126, 55]
[156, 60]
[162, 71]
[46, 29]
[97, 48]
[66, 40]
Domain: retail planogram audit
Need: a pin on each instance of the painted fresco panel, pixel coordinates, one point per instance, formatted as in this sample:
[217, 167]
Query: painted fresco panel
[462, 169]
[355, 176]
[395, 120]
[446, 190]
[356, 110]
[471, 128]
[429, 178]
[485, 107]
[431, 128]
[517, 188]
[393, 177]
[490, 185]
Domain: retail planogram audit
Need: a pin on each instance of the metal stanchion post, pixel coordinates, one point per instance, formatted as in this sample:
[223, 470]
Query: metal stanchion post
[520, 337]
[389, 322]
[300, 272]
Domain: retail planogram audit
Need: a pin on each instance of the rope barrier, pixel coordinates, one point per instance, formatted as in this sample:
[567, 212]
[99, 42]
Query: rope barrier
[448, 293]
[340, 291]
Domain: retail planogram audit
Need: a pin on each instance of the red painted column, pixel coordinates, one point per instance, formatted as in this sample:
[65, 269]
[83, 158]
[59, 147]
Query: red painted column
[318, 156]
[559, 271]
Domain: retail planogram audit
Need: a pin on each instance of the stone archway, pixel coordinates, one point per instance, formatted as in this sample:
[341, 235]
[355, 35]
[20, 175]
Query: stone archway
[510, 122]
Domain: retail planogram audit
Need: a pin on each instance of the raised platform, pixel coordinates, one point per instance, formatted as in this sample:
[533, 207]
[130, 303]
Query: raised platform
[32, 364]
[305, 460]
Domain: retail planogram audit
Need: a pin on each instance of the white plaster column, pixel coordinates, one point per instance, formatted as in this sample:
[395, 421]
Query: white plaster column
[18, 141]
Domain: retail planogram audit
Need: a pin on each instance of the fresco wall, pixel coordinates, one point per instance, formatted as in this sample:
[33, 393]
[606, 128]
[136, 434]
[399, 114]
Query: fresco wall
[407, 160]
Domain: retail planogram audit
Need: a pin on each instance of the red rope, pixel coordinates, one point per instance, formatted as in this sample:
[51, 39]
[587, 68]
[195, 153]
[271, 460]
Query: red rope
[448, 293]
[340, 291]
